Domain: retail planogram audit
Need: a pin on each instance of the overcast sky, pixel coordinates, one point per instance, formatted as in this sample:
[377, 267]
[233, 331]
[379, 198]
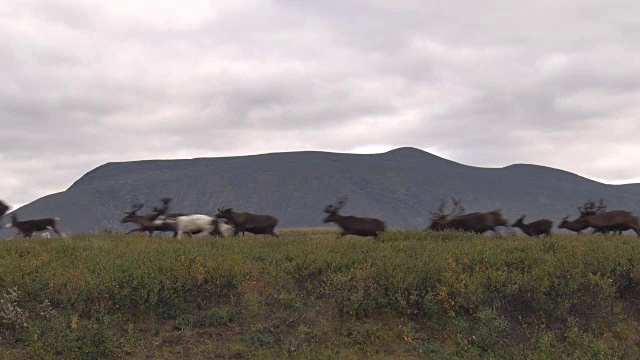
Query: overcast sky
[488, 83]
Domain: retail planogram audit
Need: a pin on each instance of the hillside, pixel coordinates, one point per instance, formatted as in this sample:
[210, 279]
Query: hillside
[400, 186]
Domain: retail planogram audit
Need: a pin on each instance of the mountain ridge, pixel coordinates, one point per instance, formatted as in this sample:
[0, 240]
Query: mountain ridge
[400, 186]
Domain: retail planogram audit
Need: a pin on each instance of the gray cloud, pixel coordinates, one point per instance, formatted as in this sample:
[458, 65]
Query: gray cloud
[483, 83]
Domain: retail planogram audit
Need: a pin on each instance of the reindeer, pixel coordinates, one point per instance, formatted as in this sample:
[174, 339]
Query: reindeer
[196, 225]
[536, 228]
[476, 222]
[144, 222]
[29, 227]
[353, 225]
[588, 209]
[601, 221]
[3, 208]
[193, 224]
[253, 223]
[151, 222]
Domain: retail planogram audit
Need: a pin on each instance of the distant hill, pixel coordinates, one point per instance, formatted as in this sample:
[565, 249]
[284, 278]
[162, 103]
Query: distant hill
[400, 186]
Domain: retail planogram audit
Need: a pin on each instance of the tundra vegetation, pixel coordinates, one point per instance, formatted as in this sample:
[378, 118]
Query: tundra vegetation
[310, 295]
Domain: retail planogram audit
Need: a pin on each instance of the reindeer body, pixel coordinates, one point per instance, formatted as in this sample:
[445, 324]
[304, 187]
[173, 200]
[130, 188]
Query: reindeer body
[29, 227]
[194, 224]
[146, 223]
[616, 220]
[252, 223]
[151, 222]
[536, 228]
[353, 225]
[477, 222]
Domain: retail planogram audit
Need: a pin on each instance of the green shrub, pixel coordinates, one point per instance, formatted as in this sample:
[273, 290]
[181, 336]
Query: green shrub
[462, 295]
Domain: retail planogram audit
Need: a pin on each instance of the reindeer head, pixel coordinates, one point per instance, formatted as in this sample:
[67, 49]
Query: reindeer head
[563, 222]
[3, 208]
[132, 214]
[333, 209]
[519, 222]
[224, 213]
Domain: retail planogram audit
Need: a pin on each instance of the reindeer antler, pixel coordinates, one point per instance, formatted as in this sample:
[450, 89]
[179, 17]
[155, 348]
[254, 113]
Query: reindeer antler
[458, 209]
[440, 210]
[135, 208]
[337, 206]
[341, 201]
[590, 207]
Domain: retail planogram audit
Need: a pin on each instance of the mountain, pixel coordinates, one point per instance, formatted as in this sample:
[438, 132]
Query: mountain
[400, 186]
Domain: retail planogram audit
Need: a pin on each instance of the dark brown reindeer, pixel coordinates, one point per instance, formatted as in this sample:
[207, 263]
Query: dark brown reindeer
[476, 222]
[589, 208]
[594, 216]
[149, 223]
[252, 223]
[3, 208]
[536, 228]
[29, 227]
[353, 225]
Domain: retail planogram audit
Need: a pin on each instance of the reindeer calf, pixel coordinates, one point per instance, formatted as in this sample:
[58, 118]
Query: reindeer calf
[29, 227]
[536, 228]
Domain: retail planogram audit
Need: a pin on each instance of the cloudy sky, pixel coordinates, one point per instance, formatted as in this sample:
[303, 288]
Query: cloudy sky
[491, 83]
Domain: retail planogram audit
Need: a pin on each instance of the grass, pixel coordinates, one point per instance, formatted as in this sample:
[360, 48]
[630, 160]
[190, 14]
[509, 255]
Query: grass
[407, 295]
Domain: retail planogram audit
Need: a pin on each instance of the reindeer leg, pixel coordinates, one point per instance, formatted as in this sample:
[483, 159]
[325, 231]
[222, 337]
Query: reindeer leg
[57, 231]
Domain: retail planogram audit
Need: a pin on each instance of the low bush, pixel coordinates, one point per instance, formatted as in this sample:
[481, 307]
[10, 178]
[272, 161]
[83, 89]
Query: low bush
[411, 294]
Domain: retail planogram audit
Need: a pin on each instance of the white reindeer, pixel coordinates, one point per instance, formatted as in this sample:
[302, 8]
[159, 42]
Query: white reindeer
[196, 225]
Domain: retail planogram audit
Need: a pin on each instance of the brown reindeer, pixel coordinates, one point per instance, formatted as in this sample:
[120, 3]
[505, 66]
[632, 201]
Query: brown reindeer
[353, 225]
[150, 223]
[29, 227]
[536, 228]
[252, 223]
[594, 216]
[477, 222]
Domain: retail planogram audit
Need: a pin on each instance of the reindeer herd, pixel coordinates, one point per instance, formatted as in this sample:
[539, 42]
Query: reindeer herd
[228, 222]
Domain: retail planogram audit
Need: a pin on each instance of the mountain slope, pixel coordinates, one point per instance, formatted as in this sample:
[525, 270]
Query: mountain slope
[400, 186]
